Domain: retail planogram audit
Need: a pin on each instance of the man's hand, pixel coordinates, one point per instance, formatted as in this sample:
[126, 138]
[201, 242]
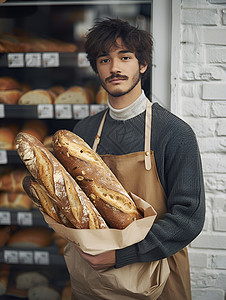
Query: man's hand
[99, 261]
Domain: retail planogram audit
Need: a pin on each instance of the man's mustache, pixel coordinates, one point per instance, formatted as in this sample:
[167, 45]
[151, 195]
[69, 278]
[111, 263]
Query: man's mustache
[116, 76]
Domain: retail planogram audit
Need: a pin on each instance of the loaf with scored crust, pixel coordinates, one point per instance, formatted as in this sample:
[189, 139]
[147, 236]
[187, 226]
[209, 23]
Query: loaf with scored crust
[58, 183]
[96, 179]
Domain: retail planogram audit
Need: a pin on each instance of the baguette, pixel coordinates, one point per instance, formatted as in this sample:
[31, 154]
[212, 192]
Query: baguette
[58, 183]
[96, 179]
[42, 201]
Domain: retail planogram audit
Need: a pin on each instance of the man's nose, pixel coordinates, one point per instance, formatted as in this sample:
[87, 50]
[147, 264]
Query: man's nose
[115, 68]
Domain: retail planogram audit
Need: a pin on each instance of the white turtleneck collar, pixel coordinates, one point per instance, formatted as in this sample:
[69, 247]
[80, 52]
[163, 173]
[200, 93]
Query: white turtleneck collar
[131, 111]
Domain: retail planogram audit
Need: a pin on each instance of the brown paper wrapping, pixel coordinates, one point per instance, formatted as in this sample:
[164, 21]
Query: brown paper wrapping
[135, 281]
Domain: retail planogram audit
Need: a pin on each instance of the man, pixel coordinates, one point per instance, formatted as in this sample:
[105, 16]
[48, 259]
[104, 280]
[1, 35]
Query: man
[134, 130]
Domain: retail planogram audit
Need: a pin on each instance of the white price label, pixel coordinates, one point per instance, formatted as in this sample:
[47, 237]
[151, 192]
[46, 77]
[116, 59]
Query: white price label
[26, 257]
[95, 108]
[15, 60]
[3, 157]
[50, 59]
[2, 111]
[5, 218]
[11, 257]
[82, 60]
[41, 258]
[80, 111]
[33, 60]
[24, 218]
[45, 111]
[63, 111]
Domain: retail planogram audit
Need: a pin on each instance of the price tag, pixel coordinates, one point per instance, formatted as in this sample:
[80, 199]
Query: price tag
[3, 157]
[80, 111]
[45, 111]
[15, 60]
[33, 59]
[50, 59]
[63, 111]
[11, 256]
[95, 108]
[41, 258]
[5, 218]
[26, 257]
[2, 111]
[24, 218]
[82, 60]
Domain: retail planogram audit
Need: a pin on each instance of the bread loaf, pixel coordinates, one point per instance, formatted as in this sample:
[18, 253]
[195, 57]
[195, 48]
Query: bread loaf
[42, 201]
[9, 83]
[15, 201]
[74, 95]
[5, 233]
[12, 181]
[10, 96]
[31, 237]
[6, 138]
[39, 126]
[60, 186]
[96, 179]
[102, 96]
[35, 97]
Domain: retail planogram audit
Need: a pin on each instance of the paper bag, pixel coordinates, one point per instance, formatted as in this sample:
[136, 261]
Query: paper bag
[135, 281]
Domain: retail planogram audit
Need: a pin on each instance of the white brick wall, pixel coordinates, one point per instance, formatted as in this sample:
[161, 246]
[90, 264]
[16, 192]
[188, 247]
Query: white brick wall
[202, 103]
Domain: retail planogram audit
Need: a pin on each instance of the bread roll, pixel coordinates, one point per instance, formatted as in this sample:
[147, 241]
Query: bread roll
[35, 97]
[12, 181]
[74, 95]
[27, 280]
[96, 179]
[9, 83]
[39, 126]
[42, 201]
[10, 96]
[15, 201]
[6, 138]
[58, 183]
[31, 237]
[43, 292]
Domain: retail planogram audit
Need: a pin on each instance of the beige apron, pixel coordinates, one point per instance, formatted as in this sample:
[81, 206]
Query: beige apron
[137, 173]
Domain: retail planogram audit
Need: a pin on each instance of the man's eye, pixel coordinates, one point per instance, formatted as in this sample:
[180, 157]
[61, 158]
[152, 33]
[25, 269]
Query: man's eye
[125, 58]
[103, 61]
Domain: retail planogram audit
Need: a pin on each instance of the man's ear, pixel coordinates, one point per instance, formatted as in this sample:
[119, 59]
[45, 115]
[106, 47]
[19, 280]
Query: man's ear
[143, 68]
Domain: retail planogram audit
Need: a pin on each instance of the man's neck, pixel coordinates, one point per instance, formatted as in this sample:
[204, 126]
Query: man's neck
[125, 100]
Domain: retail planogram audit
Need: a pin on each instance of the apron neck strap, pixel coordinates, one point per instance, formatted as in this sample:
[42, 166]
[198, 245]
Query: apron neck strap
[147, 145]
[97, 138]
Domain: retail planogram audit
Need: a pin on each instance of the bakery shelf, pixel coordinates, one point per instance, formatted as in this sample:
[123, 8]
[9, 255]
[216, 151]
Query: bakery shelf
[21, 217]
[46, 256]
[43, 60]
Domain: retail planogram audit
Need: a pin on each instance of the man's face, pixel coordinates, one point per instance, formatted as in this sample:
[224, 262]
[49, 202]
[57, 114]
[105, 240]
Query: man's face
[119, 71]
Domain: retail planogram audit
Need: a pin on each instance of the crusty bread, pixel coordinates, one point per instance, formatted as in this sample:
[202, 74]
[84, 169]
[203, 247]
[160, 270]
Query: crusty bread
[47, 142]
[96, 179]
[42, 201]
[56, 89]
[74, 95]
[15, 201]
[6, 138]
[60, 186]
[39, 126]
[12, 180]
[31, 237]
[35, 97]
[10, 96]
[5, 233]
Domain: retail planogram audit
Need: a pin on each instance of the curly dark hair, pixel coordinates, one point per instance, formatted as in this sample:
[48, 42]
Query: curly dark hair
[103, 35]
